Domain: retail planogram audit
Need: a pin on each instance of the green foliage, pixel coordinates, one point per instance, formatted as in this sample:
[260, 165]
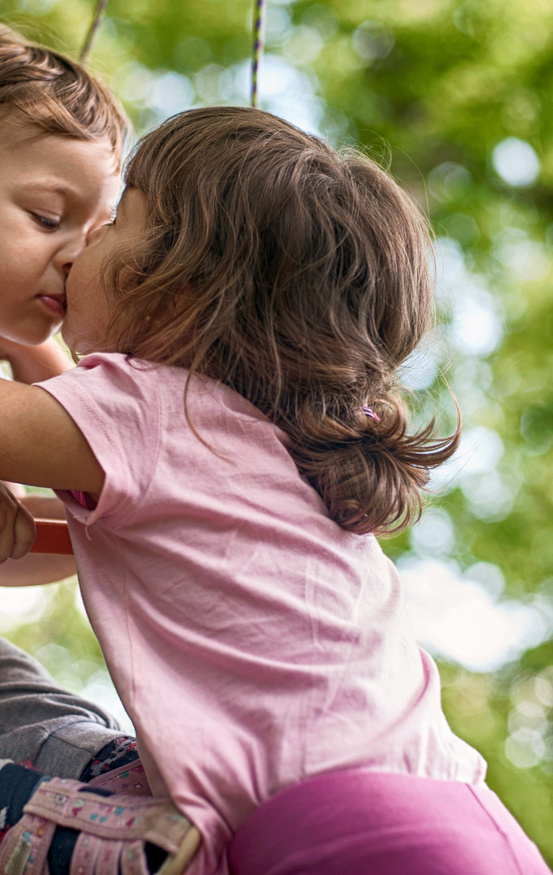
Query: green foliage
[439, 89]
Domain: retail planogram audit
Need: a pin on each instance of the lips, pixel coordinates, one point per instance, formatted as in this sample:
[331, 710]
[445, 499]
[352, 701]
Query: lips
[55, 303]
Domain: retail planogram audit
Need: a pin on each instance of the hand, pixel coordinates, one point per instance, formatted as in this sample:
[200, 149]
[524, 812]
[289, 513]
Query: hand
[17, 527]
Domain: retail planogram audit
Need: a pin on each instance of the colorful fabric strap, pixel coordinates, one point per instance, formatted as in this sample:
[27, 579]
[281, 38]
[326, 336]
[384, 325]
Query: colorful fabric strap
[113, 831]
[126, 780]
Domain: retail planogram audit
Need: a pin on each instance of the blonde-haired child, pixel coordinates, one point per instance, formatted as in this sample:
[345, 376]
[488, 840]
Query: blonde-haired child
[61, 149]
[232, 442]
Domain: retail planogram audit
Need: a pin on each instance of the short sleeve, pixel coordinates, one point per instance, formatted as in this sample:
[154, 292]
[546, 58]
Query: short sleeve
[115, 403]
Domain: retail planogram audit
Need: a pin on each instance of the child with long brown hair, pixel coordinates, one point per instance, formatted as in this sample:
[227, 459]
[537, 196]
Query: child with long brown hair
[227, 450]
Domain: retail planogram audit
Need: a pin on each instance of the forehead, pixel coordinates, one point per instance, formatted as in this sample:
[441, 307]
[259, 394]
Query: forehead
[21, 137]
[31, 157]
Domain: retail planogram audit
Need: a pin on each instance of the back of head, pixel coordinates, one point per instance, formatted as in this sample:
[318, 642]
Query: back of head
[56, 94]
[299, 277]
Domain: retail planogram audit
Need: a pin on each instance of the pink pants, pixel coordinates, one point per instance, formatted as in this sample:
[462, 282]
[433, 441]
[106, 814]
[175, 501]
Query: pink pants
[362, 823]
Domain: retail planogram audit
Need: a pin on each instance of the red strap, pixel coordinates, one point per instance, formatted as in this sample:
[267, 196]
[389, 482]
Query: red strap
[52, 536]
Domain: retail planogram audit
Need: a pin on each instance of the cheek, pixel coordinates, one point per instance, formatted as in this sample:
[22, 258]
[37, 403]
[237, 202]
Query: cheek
[85, 270]
[28, 254]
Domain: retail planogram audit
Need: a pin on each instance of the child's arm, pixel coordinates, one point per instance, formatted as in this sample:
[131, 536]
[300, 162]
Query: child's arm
[36, 569]
[40, 445]
[31, 364]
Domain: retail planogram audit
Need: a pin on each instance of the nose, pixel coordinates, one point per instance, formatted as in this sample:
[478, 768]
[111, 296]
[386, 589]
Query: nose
[69, 250]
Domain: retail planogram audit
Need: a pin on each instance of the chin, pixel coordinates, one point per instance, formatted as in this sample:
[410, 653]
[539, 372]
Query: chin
[34, 338]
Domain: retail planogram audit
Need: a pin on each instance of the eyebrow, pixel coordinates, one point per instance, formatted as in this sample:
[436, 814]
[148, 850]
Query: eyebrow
[53, 187]
[65, 191]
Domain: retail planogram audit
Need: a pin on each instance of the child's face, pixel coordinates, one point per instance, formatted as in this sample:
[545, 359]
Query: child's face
[54, 191]
[88, 306]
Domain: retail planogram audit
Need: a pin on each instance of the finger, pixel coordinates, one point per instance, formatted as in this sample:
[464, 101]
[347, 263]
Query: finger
[8, 513]
[24, 533]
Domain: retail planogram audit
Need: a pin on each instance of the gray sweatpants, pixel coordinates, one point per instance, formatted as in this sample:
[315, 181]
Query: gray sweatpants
[43, 725]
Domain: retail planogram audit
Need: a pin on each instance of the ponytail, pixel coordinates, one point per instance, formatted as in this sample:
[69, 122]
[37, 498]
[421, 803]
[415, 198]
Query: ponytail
[369, 472]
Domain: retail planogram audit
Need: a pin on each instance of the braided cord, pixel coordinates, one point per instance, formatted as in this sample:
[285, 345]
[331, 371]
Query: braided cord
[258, 37]
[96, 21]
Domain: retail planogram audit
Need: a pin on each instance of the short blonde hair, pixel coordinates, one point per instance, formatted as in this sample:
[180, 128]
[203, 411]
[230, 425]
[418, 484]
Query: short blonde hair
[58, 95]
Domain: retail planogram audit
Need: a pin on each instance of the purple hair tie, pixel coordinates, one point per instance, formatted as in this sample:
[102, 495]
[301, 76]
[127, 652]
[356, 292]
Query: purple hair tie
[369, 412]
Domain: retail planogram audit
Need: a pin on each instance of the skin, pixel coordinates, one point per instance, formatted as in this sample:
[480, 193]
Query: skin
[88, 307]
[55, 192]
[29, 410]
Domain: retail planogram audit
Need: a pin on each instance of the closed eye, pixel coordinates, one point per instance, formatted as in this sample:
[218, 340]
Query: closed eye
[45, 221]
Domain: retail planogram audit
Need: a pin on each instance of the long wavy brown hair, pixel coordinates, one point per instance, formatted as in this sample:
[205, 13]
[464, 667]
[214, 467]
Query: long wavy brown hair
[298, 276]
[57, 95]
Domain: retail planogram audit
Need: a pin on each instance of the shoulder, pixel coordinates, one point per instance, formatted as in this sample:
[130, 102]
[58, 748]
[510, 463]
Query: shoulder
[111, 393]
[107, 375]
[115, 365]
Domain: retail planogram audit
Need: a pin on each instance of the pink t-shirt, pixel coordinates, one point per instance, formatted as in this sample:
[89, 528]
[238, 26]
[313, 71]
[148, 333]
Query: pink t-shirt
[252, 640]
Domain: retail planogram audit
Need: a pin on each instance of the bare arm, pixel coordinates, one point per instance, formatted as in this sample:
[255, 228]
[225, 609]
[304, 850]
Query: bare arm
[47, 507]
[36, 569]
[17, 531]
[39, 445]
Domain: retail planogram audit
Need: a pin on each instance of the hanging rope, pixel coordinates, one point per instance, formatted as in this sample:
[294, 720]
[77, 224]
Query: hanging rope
[96, 21]
[258, 37]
